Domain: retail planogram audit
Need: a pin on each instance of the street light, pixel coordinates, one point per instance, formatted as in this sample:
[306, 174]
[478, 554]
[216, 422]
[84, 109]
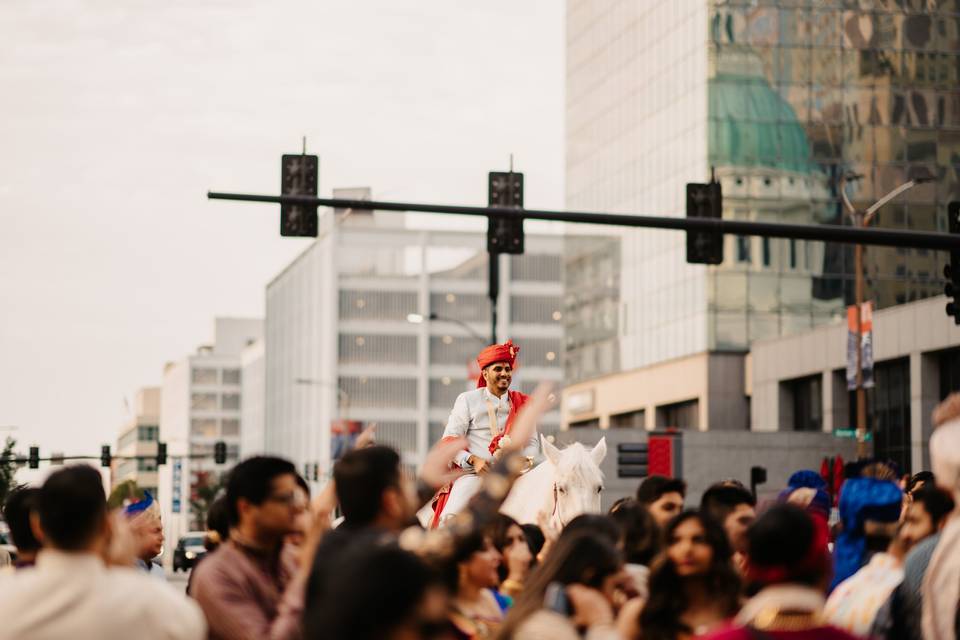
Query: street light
[417, 318]
[862, 218]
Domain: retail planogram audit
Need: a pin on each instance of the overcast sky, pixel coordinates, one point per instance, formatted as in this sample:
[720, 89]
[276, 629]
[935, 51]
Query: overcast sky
[118, 116]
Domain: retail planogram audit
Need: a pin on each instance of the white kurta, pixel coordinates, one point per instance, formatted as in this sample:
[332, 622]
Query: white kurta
[470, 418]
[73, 595]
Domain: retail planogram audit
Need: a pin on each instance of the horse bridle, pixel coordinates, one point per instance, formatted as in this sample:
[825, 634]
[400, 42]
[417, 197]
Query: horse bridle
[556, 507]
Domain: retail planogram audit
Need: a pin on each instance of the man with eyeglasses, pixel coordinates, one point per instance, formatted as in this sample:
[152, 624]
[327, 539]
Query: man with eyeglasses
[249, 588]
[484, 416]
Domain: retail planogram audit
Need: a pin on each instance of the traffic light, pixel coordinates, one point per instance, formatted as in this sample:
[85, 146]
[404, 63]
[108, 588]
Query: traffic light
[704, 201]
[161, 453]
[34, 459]
[298, 177]
[632, 459]
[952, 271]
[505, 233]
[758, 475]
[105, 457]
[220, 452]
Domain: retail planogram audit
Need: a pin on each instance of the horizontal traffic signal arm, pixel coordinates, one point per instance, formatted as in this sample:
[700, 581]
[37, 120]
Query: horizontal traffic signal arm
[822, 232]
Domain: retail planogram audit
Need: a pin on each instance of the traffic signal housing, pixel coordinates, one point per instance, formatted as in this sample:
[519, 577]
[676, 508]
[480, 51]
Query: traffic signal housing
[505, 232]
[704, 201]
[34, 458]
[105, 457]
[632, 460]
[951, 271]
[299, 177]
[161, 453]
[220, 452]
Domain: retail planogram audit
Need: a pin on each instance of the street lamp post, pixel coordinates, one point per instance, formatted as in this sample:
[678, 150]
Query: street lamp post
[416, 318]
[862, 218]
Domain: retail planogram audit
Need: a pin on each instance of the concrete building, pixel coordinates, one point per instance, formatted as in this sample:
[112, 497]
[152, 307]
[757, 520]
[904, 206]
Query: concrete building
[783, 387]
[201, 404]
[779, 101]
[138, 437]
[376, 322]
[253, 390]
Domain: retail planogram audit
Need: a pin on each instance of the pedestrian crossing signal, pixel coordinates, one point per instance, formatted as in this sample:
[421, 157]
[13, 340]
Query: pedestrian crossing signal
[220, 452]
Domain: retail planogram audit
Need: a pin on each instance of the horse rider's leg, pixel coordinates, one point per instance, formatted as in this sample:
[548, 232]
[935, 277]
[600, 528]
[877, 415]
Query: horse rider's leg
[463, 489]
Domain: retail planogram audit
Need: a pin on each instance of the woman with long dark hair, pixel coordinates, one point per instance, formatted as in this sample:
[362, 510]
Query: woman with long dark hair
[472, 576]
[693, 585]
[511, 541]
[587, 570]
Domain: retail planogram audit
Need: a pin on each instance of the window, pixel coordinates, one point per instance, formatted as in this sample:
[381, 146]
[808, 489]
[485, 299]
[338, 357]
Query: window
[148, 433]
[793, 253]
[204, 376]
[203, 401]
[231, 376]
[890, 409]
[806, 396]
[765, 245]
[230, 427]
[230, 401]
[593, 423]
[949, 372]
[148, 464]
[205, 427]
[630, 420]
[682, 415]
[743, 249]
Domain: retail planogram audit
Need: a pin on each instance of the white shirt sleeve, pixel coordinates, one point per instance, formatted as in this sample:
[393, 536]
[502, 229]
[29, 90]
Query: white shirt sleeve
[457, 426]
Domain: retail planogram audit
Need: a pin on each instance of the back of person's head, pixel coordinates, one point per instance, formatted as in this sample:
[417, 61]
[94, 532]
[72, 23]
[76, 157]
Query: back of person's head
[661, 615]
[937, 502]
[21, 502]
[918, 481]
[720, 500]
[252, 480]
[653, 487]
[381, 590]
[72, 508]
[218, 521]
[535, 538]
[360, 477]
[578, 557]
[788, 545]
[641, 537]
[596, 523]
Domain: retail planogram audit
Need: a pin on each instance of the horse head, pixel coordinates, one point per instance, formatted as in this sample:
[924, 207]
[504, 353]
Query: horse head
[577, 479]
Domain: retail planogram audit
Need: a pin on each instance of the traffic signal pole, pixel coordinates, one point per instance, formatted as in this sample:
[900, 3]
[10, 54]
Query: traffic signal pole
[822, 232]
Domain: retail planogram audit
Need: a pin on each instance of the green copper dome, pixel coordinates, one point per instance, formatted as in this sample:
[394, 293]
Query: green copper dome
[752, 126]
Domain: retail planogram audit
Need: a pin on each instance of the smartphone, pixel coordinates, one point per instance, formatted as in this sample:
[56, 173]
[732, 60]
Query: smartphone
[555, 599]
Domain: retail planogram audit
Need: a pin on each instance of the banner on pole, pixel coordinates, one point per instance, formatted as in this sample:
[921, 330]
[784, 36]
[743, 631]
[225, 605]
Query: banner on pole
[866, 345]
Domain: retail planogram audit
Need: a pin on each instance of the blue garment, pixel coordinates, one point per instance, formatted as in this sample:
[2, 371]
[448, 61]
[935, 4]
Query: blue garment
[806, 478]
[861, 499]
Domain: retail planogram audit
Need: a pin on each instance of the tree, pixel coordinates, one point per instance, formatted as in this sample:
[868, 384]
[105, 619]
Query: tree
[8, 469]
[124, 493]
[207, 489]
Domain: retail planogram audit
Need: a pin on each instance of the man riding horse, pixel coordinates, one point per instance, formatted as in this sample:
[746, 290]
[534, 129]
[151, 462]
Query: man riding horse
[484, 416]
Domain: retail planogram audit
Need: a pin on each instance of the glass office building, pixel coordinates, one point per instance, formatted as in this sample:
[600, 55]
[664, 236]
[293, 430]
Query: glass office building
[779, 100]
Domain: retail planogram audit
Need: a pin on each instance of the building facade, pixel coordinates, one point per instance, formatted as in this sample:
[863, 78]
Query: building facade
[138, 437]
[778, 100]
[252, 390]
[201, 405]
[379, 323]
[788, 385]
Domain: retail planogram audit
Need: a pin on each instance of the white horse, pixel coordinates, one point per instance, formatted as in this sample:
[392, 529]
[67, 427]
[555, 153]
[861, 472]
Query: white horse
[567, 483]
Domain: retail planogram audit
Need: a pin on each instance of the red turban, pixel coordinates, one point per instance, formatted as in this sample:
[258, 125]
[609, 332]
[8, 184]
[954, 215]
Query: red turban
[506, 352]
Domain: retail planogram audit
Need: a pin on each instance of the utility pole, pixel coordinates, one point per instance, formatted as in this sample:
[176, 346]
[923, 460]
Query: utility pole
[861, 219]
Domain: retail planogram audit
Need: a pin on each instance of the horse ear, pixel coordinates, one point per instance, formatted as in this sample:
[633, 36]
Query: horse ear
[599, 452]
[550, 451]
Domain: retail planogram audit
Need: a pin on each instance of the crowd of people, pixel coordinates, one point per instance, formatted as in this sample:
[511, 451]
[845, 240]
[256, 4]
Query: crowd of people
[879, 560]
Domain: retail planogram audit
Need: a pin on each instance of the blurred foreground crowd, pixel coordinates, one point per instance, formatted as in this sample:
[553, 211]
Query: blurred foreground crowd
[881, 560]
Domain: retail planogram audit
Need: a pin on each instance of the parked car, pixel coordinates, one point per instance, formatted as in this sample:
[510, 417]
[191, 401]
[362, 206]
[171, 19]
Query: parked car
[189, 549]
